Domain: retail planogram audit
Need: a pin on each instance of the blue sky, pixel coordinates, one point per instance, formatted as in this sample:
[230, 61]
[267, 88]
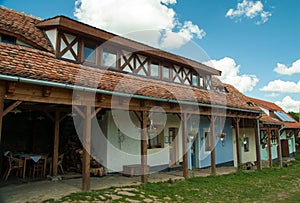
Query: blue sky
[247, 39]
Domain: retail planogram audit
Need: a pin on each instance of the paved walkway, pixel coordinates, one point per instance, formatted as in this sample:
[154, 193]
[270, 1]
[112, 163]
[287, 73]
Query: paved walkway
[41, 190]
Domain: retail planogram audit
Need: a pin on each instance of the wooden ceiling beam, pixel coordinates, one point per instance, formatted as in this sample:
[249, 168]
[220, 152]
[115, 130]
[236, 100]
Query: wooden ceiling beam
[11, 107]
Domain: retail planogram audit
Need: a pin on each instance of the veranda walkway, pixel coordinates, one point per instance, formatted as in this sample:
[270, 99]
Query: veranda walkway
[41, 190]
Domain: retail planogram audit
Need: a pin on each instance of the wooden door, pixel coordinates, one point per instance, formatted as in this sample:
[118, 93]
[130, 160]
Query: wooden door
[285, 148]
[173, 146]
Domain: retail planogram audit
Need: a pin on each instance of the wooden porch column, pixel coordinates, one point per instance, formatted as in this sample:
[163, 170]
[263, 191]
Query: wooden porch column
[237, 141]
[257, 145]
[2, 93]
[212, 144]
[269, 148]
[184, 146]
[278, 148]
[86, 150]
[144, 175]
[55, 143]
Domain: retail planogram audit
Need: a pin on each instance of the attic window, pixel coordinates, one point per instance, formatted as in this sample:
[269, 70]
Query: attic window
[250, 104]
[109, 58]
[89, 53]
[8, 39]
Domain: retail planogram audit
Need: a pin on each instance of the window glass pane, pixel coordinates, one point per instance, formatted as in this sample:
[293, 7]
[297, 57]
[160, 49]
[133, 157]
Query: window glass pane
[89, 53]
[8, 39]
[109, 59]
[166, 72]
[201, 82]
[154, 69]
[195, 80]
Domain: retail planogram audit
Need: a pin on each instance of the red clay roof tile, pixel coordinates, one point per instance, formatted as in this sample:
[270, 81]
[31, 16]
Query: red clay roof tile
[23, 26]
[273, 107]
[35, 64]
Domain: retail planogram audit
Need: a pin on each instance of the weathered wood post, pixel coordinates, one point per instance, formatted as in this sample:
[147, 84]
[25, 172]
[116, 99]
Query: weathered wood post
[278, 148]
[144, 175]
[237, 141]
[55, 143]
[212, 143]
[86, 149]
[257, 145]
[2, 93]
[269, 148]
[184, 146]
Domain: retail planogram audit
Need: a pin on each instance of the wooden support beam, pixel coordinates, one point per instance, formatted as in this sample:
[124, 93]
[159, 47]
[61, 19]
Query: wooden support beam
[269, 148]
[86, 149]
[49, 116]
[257, 145]
[78, 110]
[278, 148]
[10, 87]
[144, 175]
[212, 142]
[55, 144]
[46, 91]
[184, 146]
[2, 93]
[11, 107]
[237, 141]
[97, 110]
[138, 115]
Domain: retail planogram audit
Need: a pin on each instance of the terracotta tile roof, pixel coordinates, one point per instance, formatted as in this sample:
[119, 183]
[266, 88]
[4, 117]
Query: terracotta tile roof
[35, 64]
[265, 104]
[268, 119]
[23, 26]
[273, 107]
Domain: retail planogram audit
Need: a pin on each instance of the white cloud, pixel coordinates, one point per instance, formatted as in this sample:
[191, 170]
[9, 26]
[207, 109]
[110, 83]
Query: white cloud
[230, 74]
[124, 17]
[284, 70]
[272, 95]
[288, 104]
[282, 86]
[249, 9]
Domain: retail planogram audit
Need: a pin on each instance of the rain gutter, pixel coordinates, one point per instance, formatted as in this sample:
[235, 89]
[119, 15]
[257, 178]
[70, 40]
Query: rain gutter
[89, 89]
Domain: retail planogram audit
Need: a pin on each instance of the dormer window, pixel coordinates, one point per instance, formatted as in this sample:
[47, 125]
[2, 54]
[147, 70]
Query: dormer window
[166, 73]
[109, 58]
[154, 69]
[8, 39]
[195, 80]
[89, 53]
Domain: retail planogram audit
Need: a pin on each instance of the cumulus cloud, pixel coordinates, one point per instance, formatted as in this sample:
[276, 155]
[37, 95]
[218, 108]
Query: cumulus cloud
[272, 95]
[288, 104]
[282, 86]
[230, 74]
[124, 17]
[251, 10]
[284, 70]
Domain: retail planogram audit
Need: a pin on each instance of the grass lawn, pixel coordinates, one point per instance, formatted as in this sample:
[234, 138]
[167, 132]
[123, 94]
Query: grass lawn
[268, 185]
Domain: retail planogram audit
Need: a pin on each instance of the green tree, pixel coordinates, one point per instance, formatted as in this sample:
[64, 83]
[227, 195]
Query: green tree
[294, 115]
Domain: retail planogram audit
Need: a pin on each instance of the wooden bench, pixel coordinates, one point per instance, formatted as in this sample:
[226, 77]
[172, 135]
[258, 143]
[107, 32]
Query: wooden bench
[134, 170]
